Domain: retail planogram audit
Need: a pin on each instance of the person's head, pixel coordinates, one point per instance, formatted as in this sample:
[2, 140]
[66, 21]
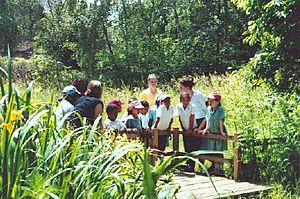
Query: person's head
[214, 100]
[185, 99]
[152, 80]
[94, 89]
[166, 100]
[81, 84]
[144, 110]
[186, 83]
[112, 111]
[132, 99]
[71, 94]
[117, 102]
[134, 108]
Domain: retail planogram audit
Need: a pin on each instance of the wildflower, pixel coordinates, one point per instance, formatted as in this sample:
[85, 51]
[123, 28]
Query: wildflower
[9, 127]
[16, 115]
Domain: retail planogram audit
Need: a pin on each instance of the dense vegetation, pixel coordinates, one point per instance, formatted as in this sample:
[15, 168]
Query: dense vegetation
[121, 42]
[38, 159]
[111, 40]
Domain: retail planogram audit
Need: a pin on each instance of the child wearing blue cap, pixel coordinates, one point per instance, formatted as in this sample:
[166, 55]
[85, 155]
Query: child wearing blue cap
[70, 96]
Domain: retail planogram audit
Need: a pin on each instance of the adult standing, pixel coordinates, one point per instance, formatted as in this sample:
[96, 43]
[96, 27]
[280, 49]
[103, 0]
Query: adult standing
[151, 92]
[185, 84]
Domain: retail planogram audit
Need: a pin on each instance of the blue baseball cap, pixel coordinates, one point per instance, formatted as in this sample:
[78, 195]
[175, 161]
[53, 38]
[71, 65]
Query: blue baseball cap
[68, 90]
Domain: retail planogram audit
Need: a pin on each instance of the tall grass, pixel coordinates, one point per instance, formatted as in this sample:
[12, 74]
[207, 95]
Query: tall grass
[38, 159]
[41, 160]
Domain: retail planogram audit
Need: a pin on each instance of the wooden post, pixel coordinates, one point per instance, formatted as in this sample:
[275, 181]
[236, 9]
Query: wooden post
[154, 144]
[236, 160]
[175, 139]
[155, 138]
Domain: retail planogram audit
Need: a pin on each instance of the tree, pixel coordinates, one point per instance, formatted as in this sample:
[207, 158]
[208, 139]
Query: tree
[17, 21]
[8, 26]
[274, 27]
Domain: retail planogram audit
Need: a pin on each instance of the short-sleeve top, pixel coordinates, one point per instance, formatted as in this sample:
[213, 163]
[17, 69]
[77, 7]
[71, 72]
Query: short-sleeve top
[214, 118]
[116, 124]
[133, 122]
[146, 95]
[145, 120]
[198, 99]
[152, 114]
[185, 113]
[86, 105]
[165, 114]
[64, 107]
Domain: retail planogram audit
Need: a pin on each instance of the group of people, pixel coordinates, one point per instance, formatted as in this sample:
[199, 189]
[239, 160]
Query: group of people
[153, 110]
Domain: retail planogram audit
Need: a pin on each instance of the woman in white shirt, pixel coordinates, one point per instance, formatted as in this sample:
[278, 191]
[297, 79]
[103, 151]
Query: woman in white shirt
[185, 84]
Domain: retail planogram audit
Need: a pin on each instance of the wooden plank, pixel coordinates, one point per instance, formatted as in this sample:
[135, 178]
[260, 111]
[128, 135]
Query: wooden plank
[210, 136]
[241, 191]
[204, 186]
[195, 181]
[155, 139]
[197, 187]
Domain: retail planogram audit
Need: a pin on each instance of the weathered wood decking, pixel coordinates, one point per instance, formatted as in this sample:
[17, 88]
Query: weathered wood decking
[201, 187]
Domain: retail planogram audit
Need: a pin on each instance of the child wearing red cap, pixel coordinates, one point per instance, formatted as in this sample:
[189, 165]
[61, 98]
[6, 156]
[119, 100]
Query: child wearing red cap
[133, 122]
[215, 123]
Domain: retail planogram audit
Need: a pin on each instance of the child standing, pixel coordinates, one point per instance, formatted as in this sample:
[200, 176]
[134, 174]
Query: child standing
[186, 113]
[117, 102]
[215, 124]
[133, 122]
[112, 122]
[125, 115]
[164, 120]
[144, 115]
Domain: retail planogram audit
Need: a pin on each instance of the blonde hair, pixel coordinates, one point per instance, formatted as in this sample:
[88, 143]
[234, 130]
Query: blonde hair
[151, 76]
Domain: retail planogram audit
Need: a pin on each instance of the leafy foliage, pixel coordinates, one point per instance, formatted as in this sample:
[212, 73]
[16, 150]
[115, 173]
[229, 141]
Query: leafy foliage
[17, 21]
[113, 40]
[274, 27]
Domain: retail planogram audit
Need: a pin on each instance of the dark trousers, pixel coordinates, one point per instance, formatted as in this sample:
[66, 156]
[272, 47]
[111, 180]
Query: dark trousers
[162, 142]
[192, 143]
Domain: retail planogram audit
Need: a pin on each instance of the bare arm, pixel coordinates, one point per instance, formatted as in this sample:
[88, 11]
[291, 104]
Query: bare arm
[170, 124]
[150, 123]
[222, 128]
[191, 122]
[98, 111]
[157, 121]
[205, 131]
[181, 123]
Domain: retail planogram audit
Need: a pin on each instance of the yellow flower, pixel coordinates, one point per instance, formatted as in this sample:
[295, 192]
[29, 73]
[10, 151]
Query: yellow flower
[9, 127]
[16, 115]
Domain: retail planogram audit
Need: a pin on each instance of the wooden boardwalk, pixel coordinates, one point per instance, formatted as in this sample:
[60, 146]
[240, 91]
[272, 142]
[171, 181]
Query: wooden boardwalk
[199, 186]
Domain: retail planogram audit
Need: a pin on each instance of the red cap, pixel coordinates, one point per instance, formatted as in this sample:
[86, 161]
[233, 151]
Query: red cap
[215, 96]
[116, 101]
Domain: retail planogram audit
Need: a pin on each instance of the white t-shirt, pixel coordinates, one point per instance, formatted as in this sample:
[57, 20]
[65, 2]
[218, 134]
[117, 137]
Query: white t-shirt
[145, 120]
[198, 99]
[116, 124]
[63, 108]
[185, 113]
[165, 116]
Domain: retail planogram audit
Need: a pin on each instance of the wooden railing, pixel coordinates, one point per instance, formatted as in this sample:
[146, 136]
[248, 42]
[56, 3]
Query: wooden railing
[151, 140]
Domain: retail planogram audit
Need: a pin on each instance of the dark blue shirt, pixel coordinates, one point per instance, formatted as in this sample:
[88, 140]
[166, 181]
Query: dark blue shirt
[86, 105]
